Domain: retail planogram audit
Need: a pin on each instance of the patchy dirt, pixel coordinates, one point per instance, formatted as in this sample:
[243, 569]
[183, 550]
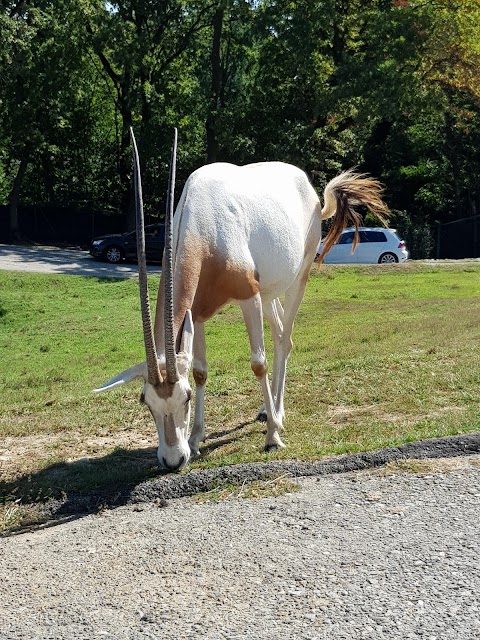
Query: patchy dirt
[17, 454]
[343, 414]
[429, 466]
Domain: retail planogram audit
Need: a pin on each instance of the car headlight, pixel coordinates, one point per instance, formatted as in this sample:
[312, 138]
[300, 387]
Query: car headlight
[95, 243]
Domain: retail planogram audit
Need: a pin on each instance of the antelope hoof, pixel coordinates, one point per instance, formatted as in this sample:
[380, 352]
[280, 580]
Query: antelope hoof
[262, 416]
[268, 448]
[274, 446]
[194, 450]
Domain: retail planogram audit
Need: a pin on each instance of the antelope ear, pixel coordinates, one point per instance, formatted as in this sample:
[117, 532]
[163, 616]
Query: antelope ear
[184, 356]
[137, 371]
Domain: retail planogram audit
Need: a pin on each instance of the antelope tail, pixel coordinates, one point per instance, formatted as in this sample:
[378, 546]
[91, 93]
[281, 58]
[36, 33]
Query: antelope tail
[341, 195]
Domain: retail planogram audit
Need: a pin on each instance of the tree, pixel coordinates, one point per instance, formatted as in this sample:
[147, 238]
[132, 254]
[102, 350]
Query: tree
[19, 116]
[45, 97]
[390, 86]
[139, 43]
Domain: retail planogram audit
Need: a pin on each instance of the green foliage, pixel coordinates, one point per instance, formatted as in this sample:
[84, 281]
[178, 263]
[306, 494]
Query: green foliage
[389, 86]
[416, 233]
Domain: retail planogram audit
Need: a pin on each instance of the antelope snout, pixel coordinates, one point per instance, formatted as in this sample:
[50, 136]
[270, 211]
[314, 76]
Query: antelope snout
[173, 460]
[173, 468]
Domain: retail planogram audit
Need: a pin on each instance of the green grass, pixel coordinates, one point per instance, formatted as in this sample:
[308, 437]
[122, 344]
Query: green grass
[382, 355]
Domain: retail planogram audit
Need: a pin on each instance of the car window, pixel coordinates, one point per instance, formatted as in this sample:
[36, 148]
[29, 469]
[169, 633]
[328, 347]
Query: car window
[372, 236]
[346, 238]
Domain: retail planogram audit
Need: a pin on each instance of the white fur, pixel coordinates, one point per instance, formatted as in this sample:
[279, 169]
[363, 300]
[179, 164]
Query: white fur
[257, 215]
[178, 407]
[262, 219]
[137, 371]
[266, 218]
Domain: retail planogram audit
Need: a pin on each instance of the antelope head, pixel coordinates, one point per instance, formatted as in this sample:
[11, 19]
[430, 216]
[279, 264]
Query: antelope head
[166, 392]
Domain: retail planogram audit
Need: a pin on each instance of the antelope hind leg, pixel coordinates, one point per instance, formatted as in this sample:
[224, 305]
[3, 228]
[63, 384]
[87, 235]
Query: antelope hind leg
[253, 316]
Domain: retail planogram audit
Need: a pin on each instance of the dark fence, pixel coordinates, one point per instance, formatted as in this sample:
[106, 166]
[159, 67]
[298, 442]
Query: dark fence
[60, 225]
[459, 239]
[77, 226]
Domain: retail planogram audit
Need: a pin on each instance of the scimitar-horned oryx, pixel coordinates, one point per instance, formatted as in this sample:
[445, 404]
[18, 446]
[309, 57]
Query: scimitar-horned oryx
[245, 234]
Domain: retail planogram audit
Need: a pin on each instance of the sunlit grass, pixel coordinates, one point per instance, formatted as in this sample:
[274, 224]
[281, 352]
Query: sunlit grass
[382, 355]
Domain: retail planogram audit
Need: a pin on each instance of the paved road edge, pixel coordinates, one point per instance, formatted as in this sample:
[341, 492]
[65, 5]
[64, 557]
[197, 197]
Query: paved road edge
[191, 482]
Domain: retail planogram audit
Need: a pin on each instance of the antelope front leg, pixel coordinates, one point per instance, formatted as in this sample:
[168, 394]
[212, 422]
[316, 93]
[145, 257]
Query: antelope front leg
[200, 376]
[253, 316]
[281, 323]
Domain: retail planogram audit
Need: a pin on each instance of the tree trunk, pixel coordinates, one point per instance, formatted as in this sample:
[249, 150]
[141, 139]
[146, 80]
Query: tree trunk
[452, 155]
[215, 57]
[14, 199]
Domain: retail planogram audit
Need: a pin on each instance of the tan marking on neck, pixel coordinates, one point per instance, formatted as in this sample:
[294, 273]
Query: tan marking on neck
[205, 281]
[220, 282]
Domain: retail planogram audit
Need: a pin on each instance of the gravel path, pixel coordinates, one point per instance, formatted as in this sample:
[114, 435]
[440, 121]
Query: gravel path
[355, 555]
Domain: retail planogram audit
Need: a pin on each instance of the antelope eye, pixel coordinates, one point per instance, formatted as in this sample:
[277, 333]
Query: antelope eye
[189, 396]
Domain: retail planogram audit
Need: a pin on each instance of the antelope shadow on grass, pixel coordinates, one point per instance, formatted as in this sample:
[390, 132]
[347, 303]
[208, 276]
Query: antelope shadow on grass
[86, 485]
[60, 493]
[215, 440]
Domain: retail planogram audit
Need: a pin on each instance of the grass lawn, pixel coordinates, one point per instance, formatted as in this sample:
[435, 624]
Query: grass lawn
[382, 355]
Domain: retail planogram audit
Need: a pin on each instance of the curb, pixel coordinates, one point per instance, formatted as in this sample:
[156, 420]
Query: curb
[171, 486]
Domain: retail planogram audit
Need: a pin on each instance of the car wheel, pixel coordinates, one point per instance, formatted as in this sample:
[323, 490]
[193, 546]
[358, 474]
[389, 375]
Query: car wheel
[113, 254]
[387, 258]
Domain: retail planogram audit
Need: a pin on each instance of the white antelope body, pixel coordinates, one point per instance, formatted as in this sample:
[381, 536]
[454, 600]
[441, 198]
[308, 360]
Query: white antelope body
[245, 234]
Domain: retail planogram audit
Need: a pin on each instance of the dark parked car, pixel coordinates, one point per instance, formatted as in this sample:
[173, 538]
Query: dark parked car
[117, 247]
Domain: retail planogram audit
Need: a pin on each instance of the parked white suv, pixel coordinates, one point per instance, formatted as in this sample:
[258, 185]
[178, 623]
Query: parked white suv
[376, 245]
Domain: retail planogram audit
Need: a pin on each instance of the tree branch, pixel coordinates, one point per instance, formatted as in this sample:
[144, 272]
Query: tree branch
[112, 74]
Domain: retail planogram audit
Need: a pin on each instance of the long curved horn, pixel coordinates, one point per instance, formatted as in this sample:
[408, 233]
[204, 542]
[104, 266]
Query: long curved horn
[171, 361]
[154, 376]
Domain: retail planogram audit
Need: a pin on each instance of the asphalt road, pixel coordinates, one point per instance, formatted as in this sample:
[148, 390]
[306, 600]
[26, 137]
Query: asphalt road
[64, 261]
[352, 556]
[75, 262]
